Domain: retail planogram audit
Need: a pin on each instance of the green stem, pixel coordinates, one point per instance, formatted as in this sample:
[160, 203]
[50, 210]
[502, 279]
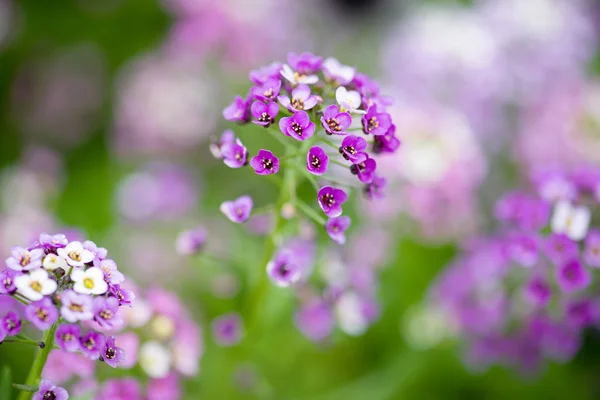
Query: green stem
[35, 373]
[309, 212]
[276, 133]
[339, 163]
[21, 341]
[25, 388]
[20, 299]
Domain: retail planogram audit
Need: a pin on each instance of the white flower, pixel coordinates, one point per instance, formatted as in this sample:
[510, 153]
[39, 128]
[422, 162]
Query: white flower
[36, 285]
[138, 314]
[75, 254]
[570, 220]
[90, 281]
[52, 262]
[185, 358]
[348, 310]
[295, 78]
[155, 359]
[342, 74]
[349, 100]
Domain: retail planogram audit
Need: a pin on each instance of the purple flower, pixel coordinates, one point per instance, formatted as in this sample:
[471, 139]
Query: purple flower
[282, 270]
[216, 148]
[376, 123]
[297, 126]
[166, 388]
[317, 161]
[76, 307]
[336, 228]
[234, 154]
[305, 63]
[99, 252]
[591, 254]
[49, 391]
[11, 323]
[352, 149]
[42, 314]
[263, 74]
[92, 344]
[191, 241]
[112, 354]
[67, 337]
[121, 389]
[524, 249]
[237, 111]
[559, 248]
[265, 163]
[227, 329]
[301, 99]
[24, 260]
[374, 189]
[579, 313]
[111, 274]
[315, 320]
[268, 91]
[238, 210]
[387, 143]
[364, 170]
[124, 296]
[537, 292]
[331, 200]
[7, 281]
[264, 114]
[334, 121]
[106, 312]
[53, 241]
[572, 276]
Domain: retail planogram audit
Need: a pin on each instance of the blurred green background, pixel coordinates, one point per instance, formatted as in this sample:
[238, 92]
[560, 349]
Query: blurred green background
[378, 365]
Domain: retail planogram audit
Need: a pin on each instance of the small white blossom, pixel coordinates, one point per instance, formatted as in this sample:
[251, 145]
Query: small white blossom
[295, 78]
[52, 262]
[349, 100]
[90, 281]
[36, 285]
[75, 254]
[348, 311]
[570, 220]
[342, 74]
[155, 359]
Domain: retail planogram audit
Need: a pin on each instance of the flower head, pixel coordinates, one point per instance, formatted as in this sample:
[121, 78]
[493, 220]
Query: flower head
[109, 268]
[11, 323]
[375, 122]
[75, 254]
[331, 200]
[76, 307]
[298, 126]
[24, 260]
[374, 189]
[67, 337]
[265, 163]
[302, 99]
[315, 320]
[591, 254]
[283, 270]
[336, 228]
[572, 276]
[42, 314]
[239, 210]
[349, 100]
[264, 114]
[49, 391]
[267, 91]
[92, 344]
[364, 170]
[335, 121]
[53, 262]
[53, 241]
[238, 111]
[570, 220]
[112, 354]
[387, 143]
[7, 281]
[35, 285]
[155, 359]
[337, 73]
[317, 161]
[106, 312]
[234, 154]
[90, 281]
[191, 241]
[353, 149]
[227, 329]
[216, 147]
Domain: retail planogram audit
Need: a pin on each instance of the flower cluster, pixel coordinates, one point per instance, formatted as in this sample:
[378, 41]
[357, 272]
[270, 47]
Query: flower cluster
[527, 293]
[319, 104]
[158, 336]
[66, 286]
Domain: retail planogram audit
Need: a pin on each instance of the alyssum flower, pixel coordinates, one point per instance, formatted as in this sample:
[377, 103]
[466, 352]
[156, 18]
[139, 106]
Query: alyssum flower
[58, 280]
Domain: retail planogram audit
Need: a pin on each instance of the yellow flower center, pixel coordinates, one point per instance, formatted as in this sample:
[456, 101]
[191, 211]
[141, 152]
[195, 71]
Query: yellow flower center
[36, 285]
[88, 283]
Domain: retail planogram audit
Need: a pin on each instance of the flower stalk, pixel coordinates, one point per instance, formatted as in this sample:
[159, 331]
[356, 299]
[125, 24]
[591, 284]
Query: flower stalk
[35, 373]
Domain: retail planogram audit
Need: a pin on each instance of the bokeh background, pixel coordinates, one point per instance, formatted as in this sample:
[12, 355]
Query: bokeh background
[107, 109]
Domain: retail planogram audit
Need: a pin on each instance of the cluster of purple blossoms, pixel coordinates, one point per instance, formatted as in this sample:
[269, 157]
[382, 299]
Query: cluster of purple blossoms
[322, 105]
[159, 338]
[66, 286]
[526, 294]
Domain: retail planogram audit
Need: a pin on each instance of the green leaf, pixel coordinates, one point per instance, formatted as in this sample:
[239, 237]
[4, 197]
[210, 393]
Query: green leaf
[5, 382]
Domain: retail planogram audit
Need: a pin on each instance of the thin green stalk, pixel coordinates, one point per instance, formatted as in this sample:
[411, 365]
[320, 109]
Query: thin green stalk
[339, 163]
[309, 212]
[20, 299]
[276, 133]
[33, 379]
[22, 341]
